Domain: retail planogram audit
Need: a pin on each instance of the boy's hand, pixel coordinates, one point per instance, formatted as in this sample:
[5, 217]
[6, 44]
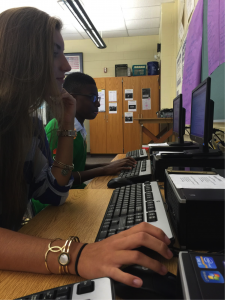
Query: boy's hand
[117, 166]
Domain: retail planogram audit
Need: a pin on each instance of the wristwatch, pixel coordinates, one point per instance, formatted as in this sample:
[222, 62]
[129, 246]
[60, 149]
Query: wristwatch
[64, 133]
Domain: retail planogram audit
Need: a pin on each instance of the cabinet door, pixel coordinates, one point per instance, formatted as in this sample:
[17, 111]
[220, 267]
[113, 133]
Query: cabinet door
[152, 83]
[98, 132]
[114, 141]
[131, 136]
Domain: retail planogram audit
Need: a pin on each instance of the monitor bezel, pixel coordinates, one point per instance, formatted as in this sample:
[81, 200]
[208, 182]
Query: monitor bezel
[180, 133]
[204, 140]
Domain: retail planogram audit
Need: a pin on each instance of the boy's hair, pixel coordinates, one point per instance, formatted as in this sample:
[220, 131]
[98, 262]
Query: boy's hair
[74, 82]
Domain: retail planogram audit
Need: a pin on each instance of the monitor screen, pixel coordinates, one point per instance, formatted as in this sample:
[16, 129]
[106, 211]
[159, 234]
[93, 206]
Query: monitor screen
[198, 108]
[176, 115]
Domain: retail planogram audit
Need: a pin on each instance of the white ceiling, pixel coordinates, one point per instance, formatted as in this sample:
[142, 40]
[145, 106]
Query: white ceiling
[112, 18]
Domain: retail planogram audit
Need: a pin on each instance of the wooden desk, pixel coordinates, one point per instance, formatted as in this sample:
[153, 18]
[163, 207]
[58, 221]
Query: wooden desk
[101, 182]
[81, 215]
[159, 138]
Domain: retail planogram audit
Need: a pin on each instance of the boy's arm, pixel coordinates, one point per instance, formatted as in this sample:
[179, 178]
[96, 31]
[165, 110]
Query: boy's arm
[112, 168]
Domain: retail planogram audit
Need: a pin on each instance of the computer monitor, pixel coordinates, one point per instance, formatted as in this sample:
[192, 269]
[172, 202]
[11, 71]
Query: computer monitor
[202, 108]
[179, 122]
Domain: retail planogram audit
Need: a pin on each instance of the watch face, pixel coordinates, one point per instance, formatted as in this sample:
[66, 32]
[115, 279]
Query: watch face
[64, 259]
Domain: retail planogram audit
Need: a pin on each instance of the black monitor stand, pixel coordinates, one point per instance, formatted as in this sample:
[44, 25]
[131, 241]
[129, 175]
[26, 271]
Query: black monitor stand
[181, 144]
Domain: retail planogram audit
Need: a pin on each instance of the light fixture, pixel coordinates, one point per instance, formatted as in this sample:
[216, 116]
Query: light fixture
[79, 13]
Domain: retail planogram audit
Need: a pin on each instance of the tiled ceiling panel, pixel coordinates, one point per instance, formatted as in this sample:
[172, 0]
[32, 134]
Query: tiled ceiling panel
[112, 18]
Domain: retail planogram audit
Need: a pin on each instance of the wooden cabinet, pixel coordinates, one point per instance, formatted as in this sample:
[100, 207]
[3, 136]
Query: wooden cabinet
[108, 132]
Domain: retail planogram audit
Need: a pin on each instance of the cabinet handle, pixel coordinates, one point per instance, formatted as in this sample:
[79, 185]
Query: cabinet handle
[141, 116]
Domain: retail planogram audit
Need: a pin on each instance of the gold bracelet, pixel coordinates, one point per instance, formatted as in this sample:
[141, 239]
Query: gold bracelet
[69, 167]
[79, 176]
[52, 249]
[64, 254]
[64, 257]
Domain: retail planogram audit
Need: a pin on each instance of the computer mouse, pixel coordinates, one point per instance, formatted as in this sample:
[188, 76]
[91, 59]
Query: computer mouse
[118, 182]
[154, 286]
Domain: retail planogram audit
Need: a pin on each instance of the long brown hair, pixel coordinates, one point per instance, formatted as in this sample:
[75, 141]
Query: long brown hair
[26, 80]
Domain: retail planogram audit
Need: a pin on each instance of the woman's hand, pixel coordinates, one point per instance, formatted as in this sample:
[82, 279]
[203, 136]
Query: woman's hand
[104, 258]
[69, 109]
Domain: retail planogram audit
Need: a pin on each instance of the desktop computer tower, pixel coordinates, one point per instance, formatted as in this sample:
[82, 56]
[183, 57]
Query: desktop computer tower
[159, 164]
[196, 215]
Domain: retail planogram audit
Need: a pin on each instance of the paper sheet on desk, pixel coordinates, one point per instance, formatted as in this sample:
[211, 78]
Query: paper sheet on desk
[160, 144]
[197, 181]
[160, 152]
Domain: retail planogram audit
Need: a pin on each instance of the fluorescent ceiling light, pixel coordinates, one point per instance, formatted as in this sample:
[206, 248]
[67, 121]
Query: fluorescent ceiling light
[79, 13]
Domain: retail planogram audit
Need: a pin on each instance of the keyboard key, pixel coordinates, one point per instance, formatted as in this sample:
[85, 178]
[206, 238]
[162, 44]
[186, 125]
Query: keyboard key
[36, 297]
[115, 222]
[139, 209]
[48, 295]
[65, 297]
[111, 233]
[85, 287]
[63, 291]
[105, 227]
[130, 222]
[103, 234]
[116, 213]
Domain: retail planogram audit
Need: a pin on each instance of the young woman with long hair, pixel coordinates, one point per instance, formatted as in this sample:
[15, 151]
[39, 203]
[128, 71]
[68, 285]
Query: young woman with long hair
[32, 68]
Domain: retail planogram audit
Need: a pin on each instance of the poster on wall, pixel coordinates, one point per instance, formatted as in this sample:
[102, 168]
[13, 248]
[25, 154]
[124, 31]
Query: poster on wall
[113, 108]
[128, 117]
[132, 105]
[75, 61]
[146, 99]
[179, 72]
[129, 94]
[112, 96]
[101, 94]
[193, 58]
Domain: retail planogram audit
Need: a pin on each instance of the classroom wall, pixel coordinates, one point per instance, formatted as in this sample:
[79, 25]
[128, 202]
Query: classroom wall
[123, 50]
[168, 53]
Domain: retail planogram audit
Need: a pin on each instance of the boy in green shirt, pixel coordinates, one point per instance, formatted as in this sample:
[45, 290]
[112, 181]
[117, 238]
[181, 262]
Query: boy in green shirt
[84, 89]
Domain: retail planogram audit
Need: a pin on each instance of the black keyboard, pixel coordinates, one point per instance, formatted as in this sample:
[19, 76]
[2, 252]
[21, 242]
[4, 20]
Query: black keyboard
[138, 154]
[131, 205]
[142, 171]
[95, 289]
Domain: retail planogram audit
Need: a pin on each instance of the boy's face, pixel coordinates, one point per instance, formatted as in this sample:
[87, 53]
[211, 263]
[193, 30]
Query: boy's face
[85, 107]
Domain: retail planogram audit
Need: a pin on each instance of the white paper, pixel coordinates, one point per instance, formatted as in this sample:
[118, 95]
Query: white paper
[181, 31]
[128, 117]
[101, 93]
[112, 96]
[132, 105]
[129, 94]
[190, 4]
[161, 144]
[160, 152]
[113, 108]
[197, 181]
[146, 104]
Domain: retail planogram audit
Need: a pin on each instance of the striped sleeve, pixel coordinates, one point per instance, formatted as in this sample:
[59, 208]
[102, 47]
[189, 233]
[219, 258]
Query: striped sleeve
[42, 185]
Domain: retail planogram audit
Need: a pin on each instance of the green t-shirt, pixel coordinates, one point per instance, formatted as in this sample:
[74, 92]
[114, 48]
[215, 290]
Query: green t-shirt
[79, 148]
